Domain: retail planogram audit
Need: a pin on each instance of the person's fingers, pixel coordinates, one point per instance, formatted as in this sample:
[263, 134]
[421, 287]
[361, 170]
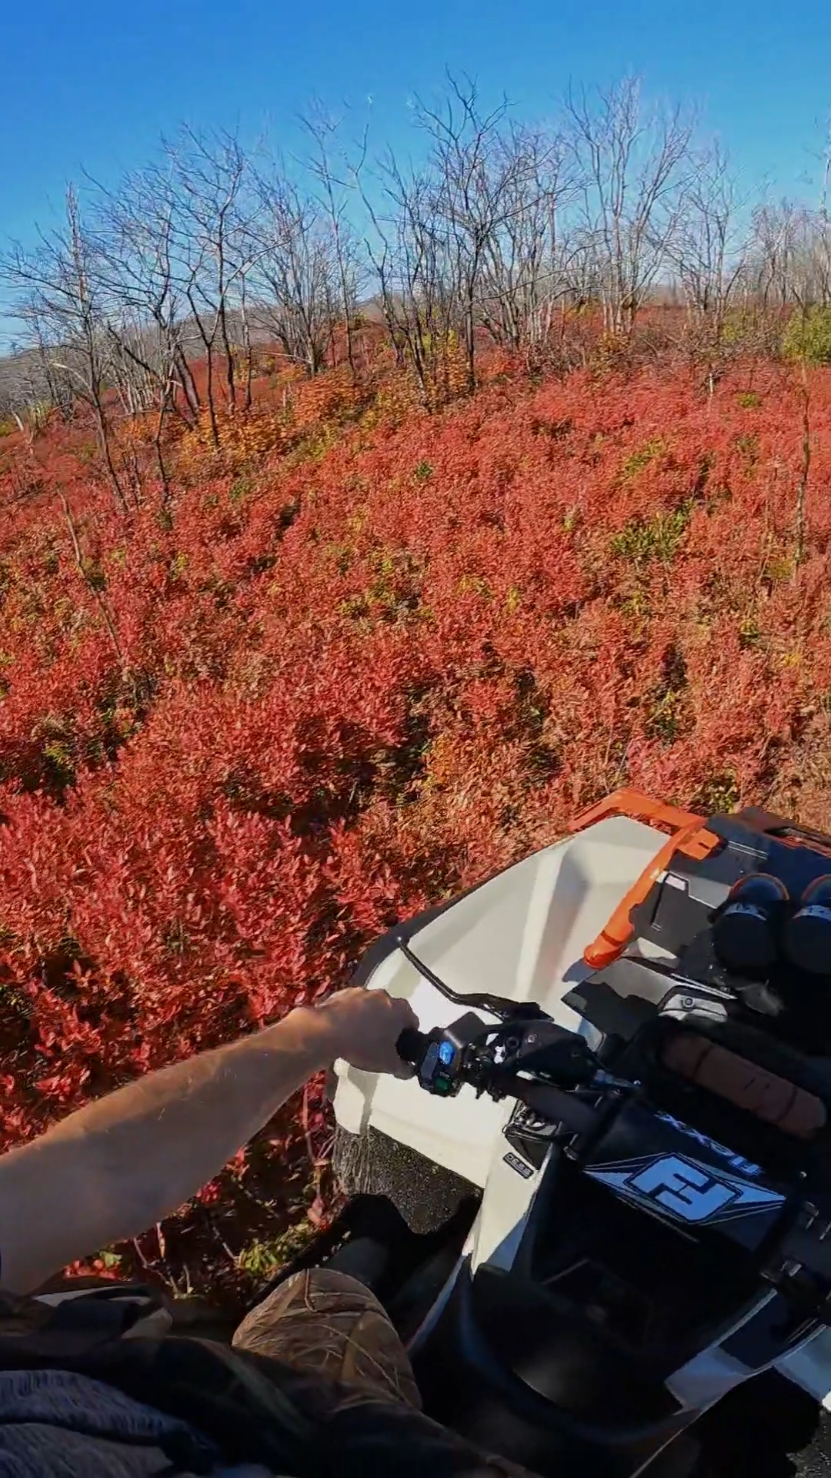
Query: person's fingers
[406, 1018]
[412, 1019]
[366, 1026]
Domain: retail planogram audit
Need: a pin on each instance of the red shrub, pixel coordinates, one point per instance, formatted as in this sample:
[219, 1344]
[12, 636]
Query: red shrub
[367, 666]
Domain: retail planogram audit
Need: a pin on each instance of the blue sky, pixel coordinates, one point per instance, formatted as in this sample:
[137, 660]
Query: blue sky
[93, 84]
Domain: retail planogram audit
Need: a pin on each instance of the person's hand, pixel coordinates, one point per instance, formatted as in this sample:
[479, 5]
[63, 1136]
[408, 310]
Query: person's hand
[365, 1025]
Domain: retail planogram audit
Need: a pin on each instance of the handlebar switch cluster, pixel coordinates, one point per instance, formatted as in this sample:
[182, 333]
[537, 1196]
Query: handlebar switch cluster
[445, 1054]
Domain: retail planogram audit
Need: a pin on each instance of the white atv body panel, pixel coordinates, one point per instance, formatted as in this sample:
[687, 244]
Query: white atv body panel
[520, 935]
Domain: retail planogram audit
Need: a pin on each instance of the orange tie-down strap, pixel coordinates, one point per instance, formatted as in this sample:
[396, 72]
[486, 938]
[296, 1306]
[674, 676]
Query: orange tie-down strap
[756, 1090]
[687, 834]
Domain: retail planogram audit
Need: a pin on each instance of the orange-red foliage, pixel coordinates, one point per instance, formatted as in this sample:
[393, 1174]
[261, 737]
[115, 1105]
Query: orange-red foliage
[370, 657]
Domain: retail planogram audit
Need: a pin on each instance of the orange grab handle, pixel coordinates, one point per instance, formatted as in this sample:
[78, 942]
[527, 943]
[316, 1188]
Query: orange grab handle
[688, 836]
[638, 806]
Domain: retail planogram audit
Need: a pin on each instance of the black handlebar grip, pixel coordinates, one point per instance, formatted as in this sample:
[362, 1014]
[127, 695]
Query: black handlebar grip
[410, 1045]
[559, 1107]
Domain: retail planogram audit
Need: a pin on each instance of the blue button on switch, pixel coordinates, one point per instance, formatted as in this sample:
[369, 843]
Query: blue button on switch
[446, 1053]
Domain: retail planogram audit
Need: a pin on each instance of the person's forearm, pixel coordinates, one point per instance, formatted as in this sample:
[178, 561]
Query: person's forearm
[122, 1163]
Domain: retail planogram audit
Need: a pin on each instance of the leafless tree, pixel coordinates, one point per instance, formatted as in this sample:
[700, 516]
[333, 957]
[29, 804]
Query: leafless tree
[469, 196]
[474, 239]
[29, 380]
[708, 248]
[146, 307]
[771, 267]
[407, 256]
[529, 252]
[335, 174]
[633, 166]
[294, 276]
[204, 188]
[57, 292]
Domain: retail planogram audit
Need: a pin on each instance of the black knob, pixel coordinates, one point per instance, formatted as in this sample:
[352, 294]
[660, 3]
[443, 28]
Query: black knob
[746, 931]
[808, 935]
[411, 1045]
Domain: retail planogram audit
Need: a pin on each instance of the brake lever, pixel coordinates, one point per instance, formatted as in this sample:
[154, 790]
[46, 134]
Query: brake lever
[499, 1006]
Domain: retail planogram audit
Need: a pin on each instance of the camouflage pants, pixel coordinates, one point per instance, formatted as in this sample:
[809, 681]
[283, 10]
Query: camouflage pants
[323, 1323]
